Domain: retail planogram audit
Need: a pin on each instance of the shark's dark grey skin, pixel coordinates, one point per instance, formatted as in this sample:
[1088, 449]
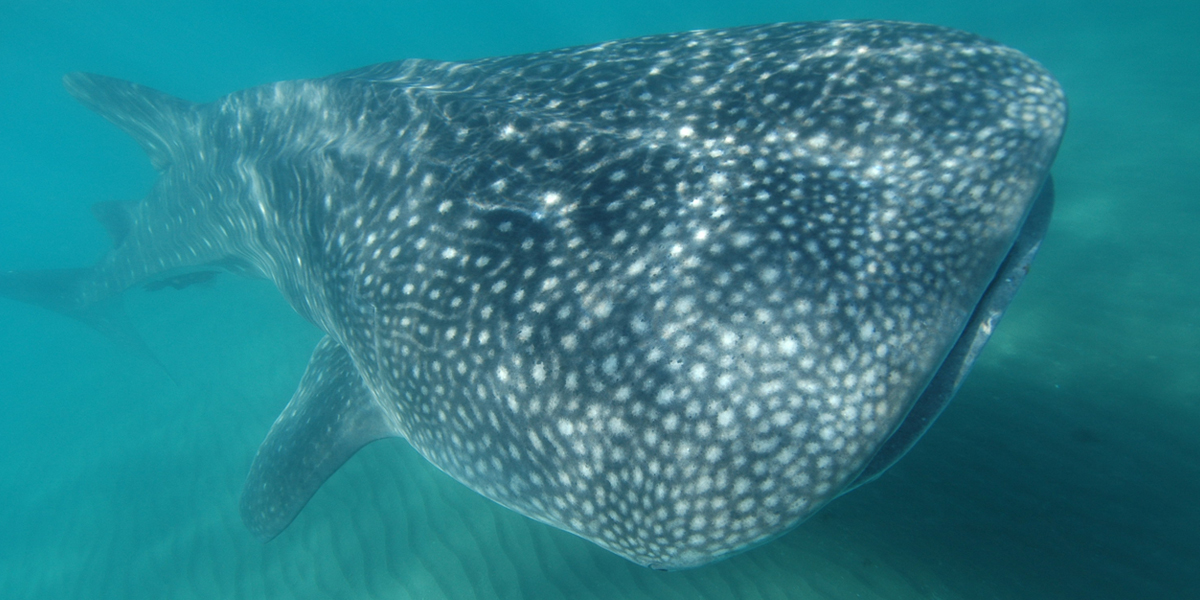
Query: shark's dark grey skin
[671, 294]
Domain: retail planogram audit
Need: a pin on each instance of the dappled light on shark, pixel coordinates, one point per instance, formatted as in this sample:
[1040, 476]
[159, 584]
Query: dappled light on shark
[672, 294]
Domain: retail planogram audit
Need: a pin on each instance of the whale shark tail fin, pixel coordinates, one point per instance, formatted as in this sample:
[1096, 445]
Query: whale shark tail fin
[61, 290]
[159, 122]
[164, 126]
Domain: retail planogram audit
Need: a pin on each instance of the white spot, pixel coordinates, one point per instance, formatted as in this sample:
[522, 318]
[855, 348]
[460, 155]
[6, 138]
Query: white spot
[610, 365]
[671, 422]
[725, 417]
[725, 381]
[565, 427]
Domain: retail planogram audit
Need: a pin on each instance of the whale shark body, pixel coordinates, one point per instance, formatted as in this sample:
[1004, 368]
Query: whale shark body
[671, 294]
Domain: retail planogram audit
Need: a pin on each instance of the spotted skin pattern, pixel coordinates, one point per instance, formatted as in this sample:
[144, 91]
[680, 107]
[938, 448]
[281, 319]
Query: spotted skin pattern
[670, 294]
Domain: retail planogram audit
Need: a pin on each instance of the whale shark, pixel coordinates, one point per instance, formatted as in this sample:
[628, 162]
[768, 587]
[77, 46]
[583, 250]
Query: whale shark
[671, 294]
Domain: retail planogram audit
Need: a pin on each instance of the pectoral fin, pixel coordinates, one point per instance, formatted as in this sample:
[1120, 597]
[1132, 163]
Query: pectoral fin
[331, 416]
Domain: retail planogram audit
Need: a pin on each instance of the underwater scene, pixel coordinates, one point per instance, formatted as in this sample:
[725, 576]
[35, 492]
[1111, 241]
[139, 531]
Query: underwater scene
[1067, 465]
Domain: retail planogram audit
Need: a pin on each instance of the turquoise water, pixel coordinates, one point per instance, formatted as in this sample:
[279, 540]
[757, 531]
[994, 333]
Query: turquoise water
[1068, 467]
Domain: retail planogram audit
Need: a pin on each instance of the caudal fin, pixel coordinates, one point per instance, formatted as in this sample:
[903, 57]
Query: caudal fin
[61, 290]
[162, 125]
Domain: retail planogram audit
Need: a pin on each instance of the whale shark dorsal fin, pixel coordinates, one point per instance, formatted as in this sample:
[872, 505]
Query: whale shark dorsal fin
[156, 120]
[330, 417]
